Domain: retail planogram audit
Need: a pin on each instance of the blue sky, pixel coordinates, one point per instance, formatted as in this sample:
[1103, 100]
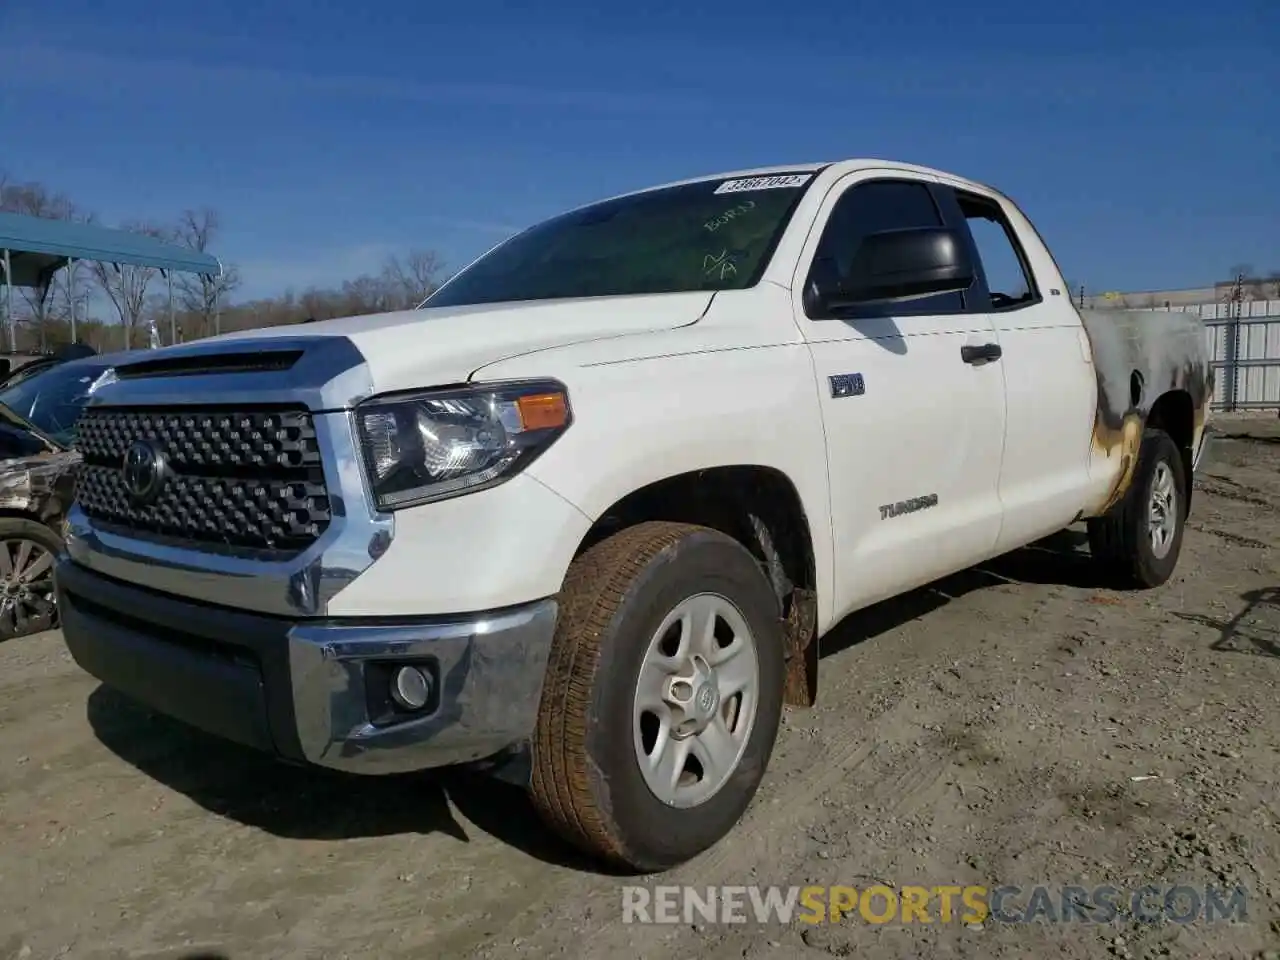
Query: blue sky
[1141, 137]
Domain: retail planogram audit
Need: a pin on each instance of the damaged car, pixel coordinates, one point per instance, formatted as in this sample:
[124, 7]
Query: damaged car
[38, 417]
[37, 479]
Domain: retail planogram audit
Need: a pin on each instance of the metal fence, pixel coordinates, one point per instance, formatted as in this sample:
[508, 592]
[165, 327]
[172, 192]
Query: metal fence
[1244, 342]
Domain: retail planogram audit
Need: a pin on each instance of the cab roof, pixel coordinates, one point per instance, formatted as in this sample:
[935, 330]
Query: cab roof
[835, 168]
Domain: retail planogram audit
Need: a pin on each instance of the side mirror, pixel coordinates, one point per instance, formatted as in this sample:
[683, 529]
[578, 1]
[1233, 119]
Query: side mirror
[822, 288]
[897, 265]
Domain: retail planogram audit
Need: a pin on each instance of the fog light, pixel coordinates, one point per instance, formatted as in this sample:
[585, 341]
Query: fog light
[410, 688]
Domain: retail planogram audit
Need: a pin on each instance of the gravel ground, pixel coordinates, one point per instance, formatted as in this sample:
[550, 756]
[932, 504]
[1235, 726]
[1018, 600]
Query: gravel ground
[1015, 724]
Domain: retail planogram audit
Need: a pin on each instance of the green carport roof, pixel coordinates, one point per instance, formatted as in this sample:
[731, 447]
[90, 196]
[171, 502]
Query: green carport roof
[38, 246]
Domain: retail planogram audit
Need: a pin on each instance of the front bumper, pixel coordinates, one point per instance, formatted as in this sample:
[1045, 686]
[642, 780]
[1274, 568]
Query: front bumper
[314, 690]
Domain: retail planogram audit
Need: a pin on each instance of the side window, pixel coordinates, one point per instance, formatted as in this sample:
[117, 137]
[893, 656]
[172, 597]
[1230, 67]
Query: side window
[1002, 258]
[884, 205]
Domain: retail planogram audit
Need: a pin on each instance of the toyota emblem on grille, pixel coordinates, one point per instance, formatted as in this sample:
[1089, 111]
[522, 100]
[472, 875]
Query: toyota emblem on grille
[143, 471]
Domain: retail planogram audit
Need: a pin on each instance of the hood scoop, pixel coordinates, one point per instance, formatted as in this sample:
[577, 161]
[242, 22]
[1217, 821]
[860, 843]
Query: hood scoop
[259, 361]
[316, 373]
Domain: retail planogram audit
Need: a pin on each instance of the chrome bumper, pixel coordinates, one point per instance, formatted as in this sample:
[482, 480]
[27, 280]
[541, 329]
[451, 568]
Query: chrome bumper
[486, 672]
[314, 691]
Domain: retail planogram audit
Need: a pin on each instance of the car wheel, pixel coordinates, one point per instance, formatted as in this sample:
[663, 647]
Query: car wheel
[1140, 540]
[662, 697]
[27, 553]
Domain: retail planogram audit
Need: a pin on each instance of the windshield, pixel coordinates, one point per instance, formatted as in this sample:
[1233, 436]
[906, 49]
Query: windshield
[709, 235]
[26, 371]
[53, 398]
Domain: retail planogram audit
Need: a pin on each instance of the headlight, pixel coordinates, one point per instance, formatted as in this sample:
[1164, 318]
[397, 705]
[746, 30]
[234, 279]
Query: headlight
[439, 444]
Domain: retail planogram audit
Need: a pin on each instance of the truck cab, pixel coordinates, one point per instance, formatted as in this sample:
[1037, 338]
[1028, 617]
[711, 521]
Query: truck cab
[583, 517]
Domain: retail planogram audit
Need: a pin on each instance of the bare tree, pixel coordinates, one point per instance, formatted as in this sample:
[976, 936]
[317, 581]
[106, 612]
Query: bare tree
[410, 282]
[201, 296]
[1251, 286]
[126, 285]
[364, 295]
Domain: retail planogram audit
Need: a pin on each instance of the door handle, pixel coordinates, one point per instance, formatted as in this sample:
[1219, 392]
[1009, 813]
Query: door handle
[982, 353]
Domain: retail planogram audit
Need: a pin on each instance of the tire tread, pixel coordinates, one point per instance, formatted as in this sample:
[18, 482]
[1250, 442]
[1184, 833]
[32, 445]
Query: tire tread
[1114, 538]
[594, 589]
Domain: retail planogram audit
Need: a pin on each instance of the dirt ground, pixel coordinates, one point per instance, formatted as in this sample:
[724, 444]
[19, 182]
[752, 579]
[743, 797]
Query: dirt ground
[986, 730]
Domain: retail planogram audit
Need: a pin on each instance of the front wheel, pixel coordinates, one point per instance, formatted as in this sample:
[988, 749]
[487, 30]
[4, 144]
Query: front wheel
[662, 697]
[1140, 540]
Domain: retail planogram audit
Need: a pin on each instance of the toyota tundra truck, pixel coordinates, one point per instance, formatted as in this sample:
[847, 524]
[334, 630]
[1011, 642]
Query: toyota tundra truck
[582, 518]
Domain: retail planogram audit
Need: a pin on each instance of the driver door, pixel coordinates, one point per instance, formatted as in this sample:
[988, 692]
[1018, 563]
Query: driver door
[914, 427]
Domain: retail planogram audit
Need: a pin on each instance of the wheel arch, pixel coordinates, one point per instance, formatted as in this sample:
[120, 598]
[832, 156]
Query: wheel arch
[1174, 412]
[761, 508]
[52, 520]
[1152, 369]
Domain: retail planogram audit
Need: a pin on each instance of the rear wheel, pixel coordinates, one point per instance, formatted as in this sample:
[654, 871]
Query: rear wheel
[662, 698]
[1140, 541]
[27, 552]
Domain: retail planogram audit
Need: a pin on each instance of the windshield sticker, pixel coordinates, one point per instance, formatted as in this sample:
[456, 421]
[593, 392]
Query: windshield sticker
[765, 183]
[715, 223]
[721, 266]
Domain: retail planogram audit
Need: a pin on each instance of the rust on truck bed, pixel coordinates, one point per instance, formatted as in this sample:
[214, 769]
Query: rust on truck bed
[1138, 357]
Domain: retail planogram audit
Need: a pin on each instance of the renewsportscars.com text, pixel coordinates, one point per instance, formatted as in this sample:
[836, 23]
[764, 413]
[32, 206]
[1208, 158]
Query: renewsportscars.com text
[879, 904]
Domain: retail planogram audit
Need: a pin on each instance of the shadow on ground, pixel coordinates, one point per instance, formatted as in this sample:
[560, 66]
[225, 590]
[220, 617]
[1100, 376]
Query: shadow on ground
[1255, 630]
[314, 804]
[309, 803]
[1062, 559]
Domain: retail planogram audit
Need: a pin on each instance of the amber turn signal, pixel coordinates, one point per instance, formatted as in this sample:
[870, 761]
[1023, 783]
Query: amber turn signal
[543, 411]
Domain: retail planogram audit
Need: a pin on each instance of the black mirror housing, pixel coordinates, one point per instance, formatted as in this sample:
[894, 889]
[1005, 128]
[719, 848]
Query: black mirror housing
[822, 287]
[905, 265]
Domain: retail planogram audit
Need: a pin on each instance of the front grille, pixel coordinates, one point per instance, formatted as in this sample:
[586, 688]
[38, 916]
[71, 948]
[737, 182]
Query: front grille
[239, 478]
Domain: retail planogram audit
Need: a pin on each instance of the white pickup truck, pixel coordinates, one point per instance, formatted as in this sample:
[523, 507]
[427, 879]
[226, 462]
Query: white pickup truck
[582, 518]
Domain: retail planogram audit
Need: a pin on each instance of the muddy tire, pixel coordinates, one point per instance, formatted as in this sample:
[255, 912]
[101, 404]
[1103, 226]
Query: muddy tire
[1139, 541]
[669, 639]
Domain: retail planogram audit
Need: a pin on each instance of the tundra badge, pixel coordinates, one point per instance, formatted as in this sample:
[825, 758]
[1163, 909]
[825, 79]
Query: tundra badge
[908, 506]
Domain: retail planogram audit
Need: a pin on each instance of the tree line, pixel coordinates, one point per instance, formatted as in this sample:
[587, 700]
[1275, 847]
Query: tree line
[114, 307]
[1246, 283]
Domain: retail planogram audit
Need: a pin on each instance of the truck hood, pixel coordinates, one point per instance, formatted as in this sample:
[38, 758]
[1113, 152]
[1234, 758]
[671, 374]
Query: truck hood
[411, 349]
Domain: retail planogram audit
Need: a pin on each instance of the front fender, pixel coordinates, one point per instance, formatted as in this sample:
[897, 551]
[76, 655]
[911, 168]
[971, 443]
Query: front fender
[501, 547]
[643, 420]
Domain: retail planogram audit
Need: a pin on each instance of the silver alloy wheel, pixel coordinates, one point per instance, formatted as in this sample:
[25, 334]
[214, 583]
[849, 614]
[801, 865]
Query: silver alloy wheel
[1162, 521]
[695, 700]
[27, 603]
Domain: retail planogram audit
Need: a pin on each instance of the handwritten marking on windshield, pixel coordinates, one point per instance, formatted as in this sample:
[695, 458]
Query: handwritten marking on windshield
[715, 223]
[722, 265]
